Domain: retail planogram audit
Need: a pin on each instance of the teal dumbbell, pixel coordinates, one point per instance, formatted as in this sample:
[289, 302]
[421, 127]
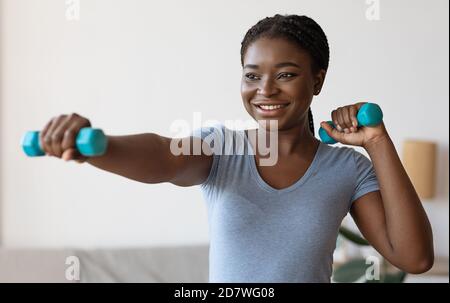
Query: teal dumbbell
[369, 114]
[89, 142]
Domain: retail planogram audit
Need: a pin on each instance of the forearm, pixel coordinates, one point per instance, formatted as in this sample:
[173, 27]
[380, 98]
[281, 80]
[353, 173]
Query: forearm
[408, 228]
[141, 157]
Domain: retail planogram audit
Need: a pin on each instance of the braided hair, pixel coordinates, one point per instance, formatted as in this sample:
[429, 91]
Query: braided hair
[301, 30]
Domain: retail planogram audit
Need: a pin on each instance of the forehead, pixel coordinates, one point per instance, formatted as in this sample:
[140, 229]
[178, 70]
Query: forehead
[267, 51]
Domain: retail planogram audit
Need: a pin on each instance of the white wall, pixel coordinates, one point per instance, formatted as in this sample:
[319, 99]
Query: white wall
[134, 66]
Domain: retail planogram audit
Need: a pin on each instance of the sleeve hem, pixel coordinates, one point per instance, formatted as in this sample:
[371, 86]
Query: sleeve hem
[212, 171]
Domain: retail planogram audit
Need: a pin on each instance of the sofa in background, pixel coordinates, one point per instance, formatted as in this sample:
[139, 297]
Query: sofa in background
[183, 264]
[153, 264]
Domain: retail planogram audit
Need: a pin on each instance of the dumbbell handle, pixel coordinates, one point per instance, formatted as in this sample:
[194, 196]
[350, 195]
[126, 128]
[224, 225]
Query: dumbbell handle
[369, 114]
[89, 142]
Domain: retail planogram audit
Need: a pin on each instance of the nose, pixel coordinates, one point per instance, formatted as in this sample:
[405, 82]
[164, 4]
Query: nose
[267, 87]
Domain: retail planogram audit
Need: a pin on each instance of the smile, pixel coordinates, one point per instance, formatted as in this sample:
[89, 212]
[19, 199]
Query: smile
[270, 109]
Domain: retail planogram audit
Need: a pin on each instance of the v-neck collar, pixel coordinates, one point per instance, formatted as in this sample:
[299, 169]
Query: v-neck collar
[291, 187]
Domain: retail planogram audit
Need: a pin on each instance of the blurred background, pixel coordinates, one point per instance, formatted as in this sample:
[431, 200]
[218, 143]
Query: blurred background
[136, 66]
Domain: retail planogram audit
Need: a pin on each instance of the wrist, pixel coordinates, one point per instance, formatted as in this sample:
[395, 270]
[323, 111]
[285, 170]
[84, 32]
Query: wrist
[377, 143]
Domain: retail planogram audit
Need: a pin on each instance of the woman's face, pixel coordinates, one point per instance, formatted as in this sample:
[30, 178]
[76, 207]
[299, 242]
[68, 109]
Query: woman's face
[277, 72]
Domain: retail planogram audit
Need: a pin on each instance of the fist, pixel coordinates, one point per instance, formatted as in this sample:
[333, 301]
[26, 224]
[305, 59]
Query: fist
[348, 131]
[59, 134]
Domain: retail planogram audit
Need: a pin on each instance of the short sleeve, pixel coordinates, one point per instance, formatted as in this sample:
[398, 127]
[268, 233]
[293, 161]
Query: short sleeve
[213, 136]
[366, 179]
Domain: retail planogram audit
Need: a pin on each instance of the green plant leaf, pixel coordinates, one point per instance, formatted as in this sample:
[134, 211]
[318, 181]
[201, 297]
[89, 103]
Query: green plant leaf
[355, 238]
[397, 277]
[350, 271]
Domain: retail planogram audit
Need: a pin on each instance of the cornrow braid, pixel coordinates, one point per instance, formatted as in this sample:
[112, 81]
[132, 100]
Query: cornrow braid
[301, 30]
[310, 120]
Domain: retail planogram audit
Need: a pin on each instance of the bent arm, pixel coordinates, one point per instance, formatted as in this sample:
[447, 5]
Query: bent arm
[393, 219]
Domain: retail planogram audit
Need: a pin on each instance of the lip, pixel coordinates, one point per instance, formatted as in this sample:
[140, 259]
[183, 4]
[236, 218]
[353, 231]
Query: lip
[270, 102]
[270, 113]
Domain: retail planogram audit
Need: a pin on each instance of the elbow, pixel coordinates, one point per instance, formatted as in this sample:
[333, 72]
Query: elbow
[420, 266]
[424, 265]
[418, 260]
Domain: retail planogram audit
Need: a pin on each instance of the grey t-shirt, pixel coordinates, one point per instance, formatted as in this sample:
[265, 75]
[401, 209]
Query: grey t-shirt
[262, 234]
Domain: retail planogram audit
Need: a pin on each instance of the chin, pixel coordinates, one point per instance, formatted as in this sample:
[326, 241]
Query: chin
[266, 124]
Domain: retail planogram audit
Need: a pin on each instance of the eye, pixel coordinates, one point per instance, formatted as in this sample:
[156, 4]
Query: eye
[250, 76]
[287, 75]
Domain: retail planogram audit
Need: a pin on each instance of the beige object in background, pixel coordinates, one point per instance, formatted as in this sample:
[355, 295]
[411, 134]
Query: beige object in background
[419, 160]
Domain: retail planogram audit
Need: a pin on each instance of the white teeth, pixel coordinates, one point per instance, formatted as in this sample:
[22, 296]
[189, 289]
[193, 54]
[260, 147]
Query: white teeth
[271, 107]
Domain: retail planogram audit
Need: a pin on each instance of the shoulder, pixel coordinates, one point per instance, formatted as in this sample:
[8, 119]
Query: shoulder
[221, 139]
[346, 160]
[337, 154]
[216, 130]
[344, 157]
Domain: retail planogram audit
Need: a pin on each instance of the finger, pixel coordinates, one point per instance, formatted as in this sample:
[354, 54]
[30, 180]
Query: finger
[58, 136]
[68, 154]
[69, 138]
[340, 118]
[347, 119]
[353, 113]
[43, 132]
[48, 145]
[347, 116]
[334, 118]
[73, 154]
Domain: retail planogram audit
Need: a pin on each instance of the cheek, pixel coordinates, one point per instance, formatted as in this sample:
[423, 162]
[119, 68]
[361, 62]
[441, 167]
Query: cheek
[299, 88]
[247, 95]
[245, 90]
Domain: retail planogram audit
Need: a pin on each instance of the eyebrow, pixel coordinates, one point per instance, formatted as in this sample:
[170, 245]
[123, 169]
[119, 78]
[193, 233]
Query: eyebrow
[282, 64]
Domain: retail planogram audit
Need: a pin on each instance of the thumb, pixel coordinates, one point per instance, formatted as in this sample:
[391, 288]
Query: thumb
[73, 154]
[332, 131]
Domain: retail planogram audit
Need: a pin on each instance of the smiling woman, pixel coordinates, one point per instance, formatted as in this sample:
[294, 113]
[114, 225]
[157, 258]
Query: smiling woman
[303, 43]
[277, 222]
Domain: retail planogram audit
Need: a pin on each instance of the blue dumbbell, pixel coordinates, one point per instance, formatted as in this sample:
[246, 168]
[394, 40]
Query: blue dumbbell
[369, 114]
[89, 142]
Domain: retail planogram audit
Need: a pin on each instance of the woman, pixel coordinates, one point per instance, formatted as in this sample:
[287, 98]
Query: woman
[279, 222]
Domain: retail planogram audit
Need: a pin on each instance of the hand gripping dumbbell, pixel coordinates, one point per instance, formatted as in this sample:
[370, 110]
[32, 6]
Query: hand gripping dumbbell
[369, 114]
[89, 142]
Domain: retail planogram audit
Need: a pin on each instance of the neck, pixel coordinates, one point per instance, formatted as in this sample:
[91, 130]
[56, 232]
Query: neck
[297, 140]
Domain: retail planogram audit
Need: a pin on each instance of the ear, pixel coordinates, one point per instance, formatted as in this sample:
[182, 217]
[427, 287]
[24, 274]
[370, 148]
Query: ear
[319, 78]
